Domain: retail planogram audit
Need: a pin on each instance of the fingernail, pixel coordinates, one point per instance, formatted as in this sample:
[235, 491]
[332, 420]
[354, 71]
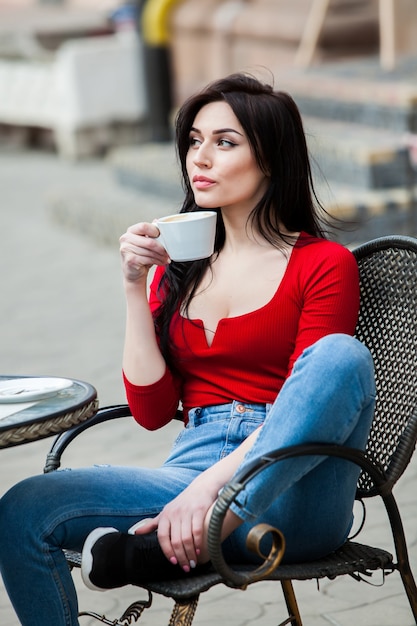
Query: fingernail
[173, 560]
[186, 568]
[193, 564]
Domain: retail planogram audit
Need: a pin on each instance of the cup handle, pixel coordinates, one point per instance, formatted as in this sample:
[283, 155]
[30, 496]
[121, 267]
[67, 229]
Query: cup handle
[160, 238]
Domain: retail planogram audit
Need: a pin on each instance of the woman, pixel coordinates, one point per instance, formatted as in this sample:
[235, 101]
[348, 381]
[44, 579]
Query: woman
[256, 342]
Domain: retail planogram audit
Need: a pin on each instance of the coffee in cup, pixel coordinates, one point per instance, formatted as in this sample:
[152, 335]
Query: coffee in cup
[188, 236]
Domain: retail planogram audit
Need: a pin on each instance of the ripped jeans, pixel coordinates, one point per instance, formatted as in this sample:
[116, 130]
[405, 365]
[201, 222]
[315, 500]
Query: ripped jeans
[329, 397]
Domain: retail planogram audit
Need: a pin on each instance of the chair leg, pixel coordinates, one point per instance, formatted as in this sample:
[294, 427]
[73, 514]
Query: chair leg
[183, 612]
[410, 588]
[291, 602]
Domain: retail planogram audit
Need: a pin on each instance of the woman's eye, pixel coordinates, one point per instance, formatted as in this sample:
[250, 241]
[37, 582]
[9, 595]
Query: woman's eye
[226, 143]
[194, 141]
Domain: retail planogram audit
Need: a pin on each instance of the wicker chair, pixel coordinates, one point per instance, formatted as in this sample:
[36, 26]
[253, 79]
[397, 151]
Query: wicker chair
[388, 326]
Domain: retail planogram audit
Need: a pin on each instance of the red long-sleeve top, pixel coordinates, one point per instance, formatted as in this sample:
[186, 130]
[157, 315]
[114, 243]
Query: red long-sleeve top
[252, 354]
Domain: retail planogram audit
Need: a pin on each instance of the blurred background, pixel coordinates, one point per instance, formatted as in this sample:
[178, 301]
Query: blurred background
[103, 78]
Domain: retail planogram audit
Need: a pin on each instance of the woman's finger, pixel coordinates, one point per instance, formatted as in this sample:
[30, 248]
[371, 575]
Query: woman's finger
[140, 249]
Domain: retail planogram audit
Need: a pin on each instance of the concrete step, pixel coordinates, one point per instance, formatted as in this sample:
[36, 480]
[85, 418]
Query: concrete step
[357, 91]
[142, 183]
[149, 168]
[104, 211]
[361, 156]
[363, 214]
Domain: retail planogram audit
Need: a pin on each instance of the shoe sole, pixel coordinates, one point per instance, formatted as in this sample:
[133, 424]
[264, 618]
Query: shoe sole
[132, 529]
[87, 557]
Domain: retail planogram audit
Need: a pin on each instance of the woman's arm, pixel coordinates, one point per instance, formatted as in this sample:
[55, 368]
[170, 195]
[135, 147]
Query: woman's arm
[143, 363]
[151, 391]
[328, 278]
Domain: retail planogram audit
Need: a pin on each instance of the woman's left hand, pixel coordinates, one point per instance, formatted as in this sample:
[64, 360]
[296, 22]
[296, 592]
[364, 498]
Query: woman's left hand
[183, 523]
[181, 526]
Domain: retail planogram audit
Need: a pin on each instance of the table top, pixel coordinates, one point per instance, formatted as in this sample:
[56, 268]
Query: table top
[22, 422]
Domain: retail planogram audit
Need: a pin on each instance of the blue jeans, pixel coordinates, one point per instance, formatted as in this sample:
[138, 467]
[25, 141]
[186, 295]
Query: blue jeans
[328, 398]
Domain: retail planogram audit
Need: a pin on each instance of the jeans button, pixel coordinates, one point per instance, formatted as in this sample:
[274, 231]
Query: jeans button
[240, 408]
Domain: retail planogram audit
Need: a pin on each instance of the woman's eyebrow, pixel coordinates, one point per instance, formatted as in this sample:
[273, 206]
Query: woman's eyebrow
[220, 131]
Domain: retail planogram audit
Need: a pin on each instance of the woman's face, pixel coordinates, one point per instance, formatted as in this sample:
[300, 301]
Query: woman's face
[220, 163]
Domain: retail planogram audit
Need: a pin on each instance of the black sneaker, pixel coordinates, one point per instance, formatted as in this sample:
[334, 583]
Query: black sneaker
[113, 559]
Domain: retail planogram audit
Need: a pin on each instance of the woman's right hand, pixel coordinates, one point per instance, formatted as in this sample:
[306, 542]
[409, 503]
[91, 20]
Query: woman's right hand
[140, 249]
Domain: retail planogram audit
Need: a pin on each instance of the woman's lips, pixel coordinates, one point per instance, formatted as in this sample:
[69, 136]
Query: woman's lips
[201, 182]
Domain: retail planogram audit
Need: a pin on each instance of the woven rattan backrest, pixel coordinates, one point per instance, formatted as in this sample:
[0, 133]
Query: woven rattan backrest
[388, 326]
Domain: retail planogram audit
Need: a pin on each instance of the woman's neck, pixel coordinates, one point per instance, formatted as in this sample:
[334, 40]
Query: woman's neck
[242, 236]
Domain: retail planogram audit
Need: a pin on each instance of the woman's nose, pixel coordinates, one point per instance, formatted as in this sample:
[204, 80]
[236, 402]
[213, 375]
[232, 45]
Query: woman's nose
[202, 157]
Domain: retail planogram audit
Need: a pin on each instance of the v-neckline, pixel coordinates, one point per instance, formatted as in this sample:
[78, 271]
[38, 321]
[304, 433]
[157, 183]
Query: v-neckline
[213, 334]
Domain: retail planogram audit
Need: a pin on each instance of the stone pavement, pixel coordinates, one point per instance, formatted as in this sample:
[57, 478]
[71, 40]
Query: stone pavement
[62, 313]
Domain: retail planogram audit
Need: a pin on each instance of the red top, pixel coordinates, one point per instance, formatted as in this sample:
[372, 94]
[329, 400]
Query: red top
[251, 355]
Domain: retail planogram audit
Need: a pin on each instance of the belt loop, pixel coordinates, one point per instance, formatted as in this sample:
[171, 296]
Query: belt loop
[193, 415]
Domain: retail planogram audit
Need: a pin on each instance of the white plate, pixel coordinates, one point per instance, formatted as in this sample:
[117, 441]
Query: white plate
[26, 389]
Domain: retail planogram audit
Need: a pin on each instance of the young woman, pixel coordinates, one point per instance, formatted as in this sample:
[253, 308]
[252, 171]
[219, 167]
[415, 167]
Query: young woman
[256, 342]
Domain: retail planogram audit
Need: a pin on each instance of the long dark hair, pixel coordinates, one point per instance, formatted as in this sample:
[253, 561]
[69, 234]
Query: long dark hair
[273, 126]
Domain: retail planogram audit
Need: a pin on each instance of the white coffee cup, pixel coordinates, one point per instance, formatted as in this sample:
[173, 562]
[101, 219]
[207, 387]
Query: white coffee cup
[188, 236]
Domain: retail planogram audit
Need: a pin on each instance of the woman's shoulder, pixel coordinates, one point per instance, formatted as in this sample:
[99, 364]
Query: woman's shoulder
[312, 246]
[315, 256]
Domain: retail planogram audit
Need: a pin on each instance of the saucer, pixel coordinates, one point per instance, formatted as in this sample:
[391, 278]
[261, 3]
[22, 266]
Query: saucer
[27, 389]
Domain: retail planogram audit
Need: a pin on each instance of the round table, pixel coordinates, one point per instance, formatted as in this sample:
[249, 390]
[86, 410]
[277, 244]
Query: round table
[29, 421]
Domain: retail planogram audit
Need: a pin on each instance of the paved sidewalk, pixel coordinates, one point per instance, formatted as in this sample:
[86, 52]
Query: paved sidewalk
[62, 313]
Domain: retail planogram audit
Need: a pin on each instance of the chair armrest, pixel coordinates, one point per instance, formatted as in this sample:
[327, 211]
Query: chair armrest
[233, 488]
[53, 458]
[62, 441]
